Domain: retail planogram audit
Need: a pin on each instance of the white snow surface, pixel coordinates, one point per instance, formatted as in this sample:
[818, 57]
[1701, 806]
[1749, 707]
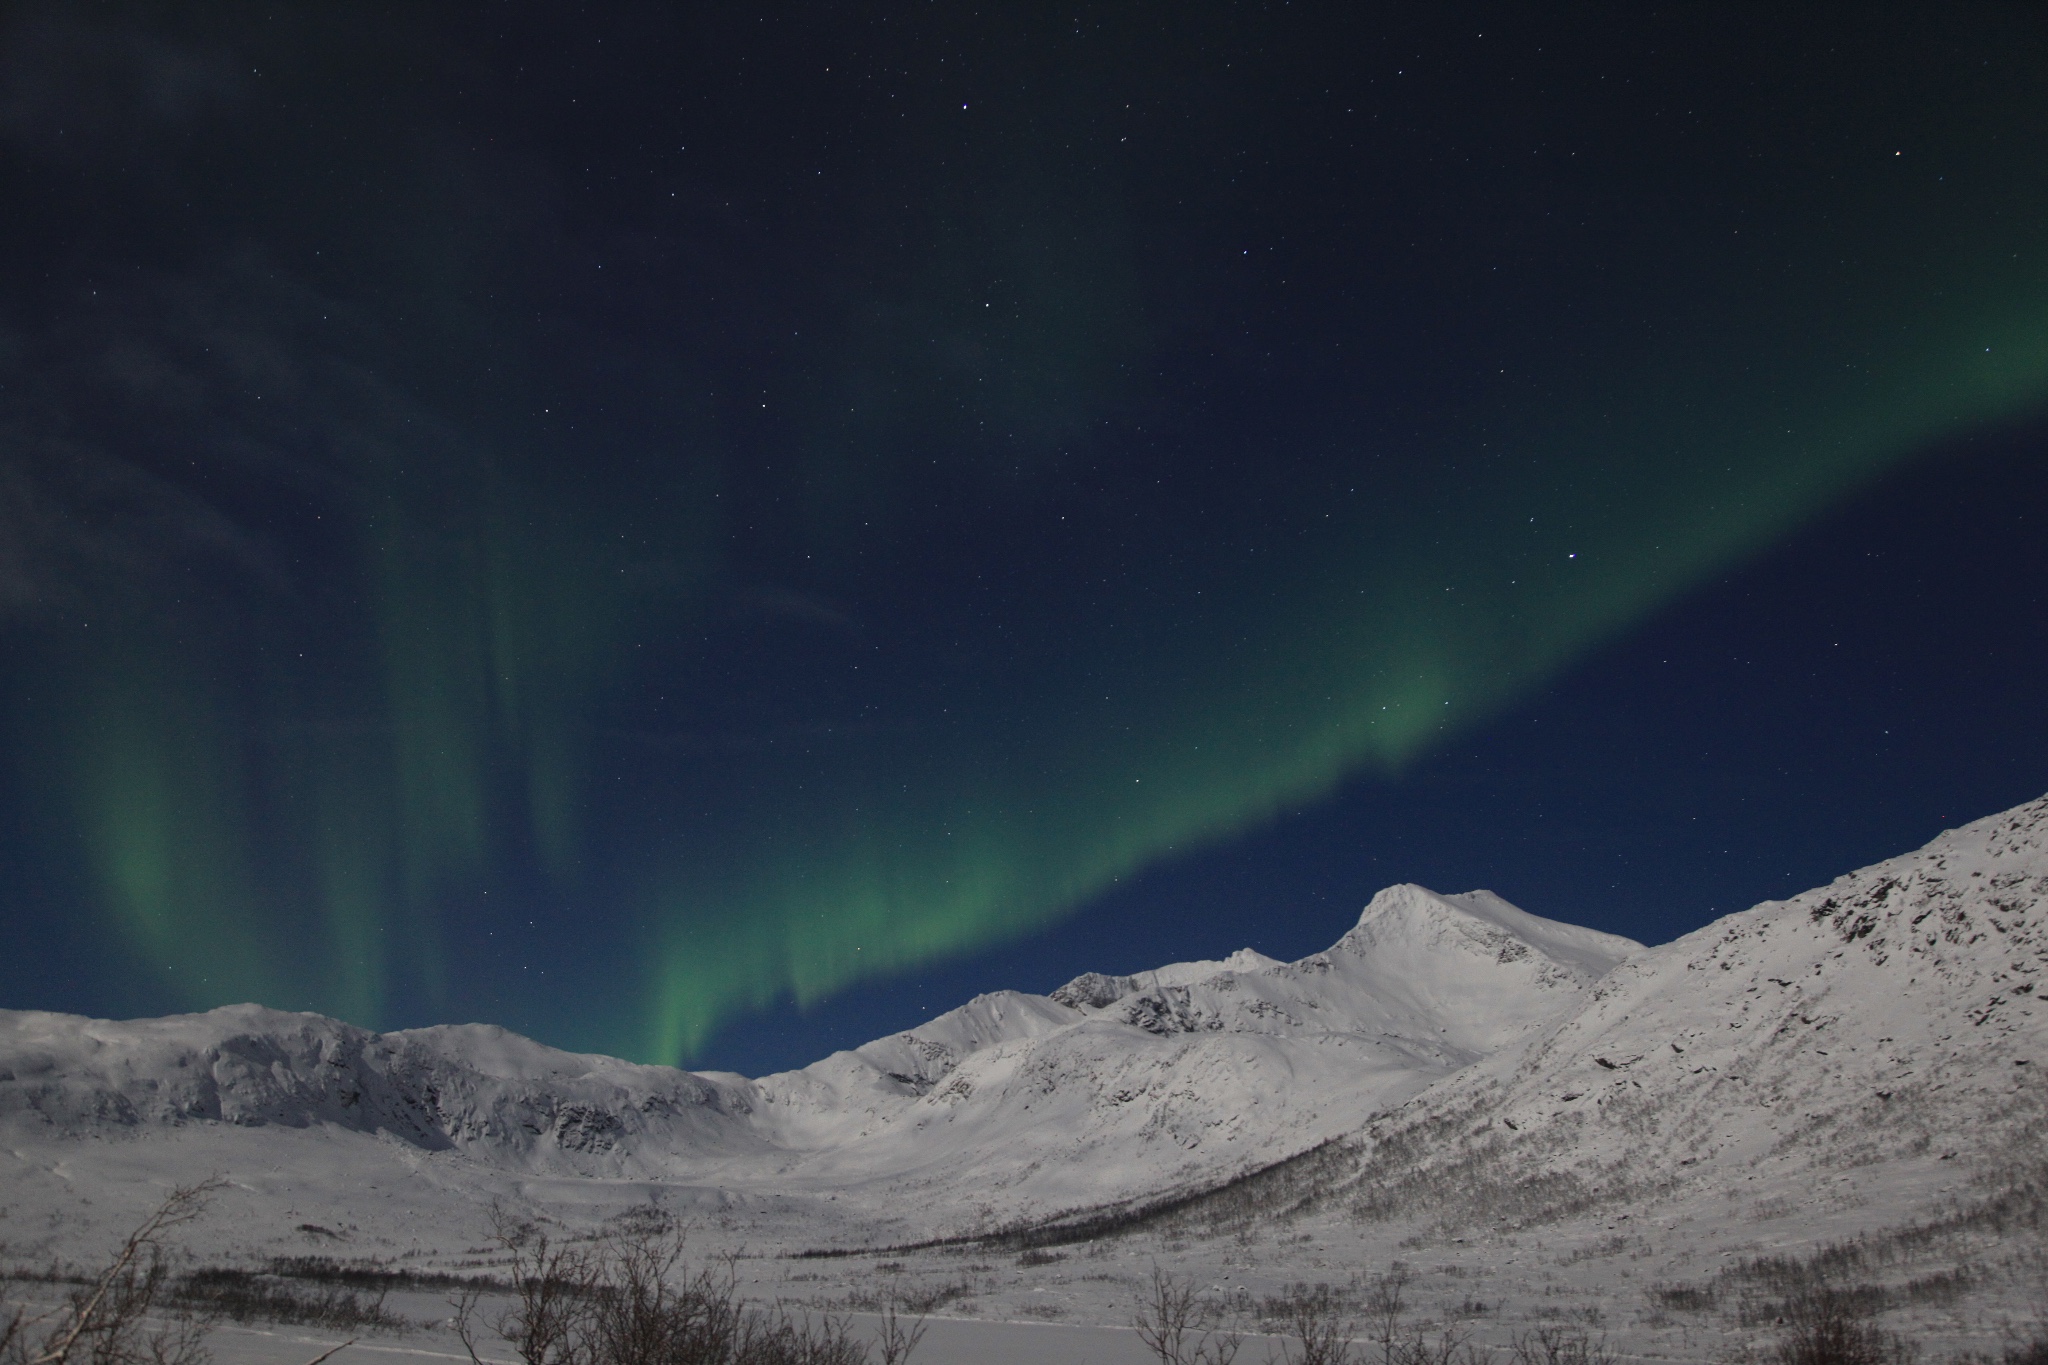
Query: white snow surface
[1895, 1010]
[1009, 1106]
[1552, 1116]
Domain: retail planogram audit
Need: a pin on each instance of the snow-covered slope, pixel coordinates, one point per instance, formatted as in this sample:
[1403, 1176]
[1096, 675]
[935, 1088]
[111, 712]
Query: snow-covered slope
[1893, 1015]
[1013, 1104]
[474, 1088]
[1185, 1074]
[1560, 1117]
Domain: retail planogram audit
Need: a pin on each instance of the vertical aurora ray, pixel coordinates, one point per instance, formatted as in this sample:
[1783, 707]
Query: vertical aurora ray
[156, 787]
[352, 880]
[499, 633]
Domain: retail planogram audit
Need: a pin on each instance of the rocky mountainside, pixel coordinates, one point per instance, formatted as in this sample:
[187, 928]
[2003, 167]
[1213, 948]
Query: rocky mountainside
[472, 1087]
[1890, 1019]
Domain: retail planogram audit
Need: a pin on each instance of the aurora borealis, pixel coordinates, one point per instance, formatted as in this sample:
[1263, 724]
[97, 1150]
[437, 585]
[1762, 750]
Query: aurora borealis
[617, 520]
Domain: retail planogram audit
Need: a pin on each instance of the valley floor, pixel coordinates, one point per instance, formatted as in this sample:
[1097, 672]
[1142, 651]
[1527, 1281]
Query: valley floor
[1698, 1277]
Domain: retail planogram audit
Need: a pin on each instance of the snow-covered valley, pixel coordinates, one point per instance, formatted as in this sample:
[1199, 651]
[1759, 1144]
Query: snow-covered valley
[1544, 1122]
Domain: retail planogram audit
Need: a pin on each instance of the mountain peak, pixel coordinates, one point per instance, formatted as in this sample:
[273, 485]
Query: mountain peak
[1403, 911]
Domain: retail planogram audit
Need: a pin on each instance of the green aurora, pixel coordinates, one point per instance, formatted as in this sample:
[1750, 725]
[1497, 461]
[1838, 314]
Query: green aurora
[843, 855]
[1388, 645]
[652, 679]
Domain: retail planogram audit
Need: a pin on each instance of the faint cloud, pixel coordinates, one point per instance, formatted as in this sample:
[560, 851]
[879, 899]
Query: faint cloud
[793, 605]
[155, 424]
[76, 87]
[79, 524]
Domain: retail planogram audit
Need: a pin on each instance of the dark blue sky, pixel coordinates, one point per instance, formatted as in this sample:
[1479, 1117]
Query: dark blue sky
[702, 532]
[1839, 699]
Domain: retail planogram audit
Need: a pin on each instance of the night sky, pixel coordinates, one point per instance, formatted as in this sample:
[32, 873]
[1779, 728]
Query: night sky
[713, 532]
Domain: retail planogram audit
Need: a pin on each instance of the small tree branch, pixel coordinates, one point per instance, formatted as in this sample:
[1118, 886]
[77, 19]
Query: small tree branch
[336, 1350]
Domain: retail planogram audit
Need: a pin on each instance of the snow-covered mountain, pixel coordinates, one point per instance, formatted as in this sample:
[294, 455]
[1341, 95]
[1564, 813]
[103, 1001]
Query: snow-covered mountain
[1564, 1119]
[468, 1087]
[1012, 1104]
[1890, 1019]
[1197, 1070]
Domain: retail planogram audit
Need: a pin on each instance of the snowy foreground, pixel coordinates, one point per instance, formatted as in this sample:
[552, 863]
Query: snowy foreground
[1543, 1123]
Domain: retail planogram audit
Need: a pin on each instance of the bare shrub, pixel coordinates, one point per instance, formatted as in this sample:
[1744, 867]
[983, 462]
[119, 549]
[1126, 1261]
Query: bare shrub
[1685, 1298]
[1181, 1327]
[1451, 1346]
[554, 1289]
[895, 1341]
[1558, 1345]
[119, 1317]
[1385, 1303]
[631, 1299]
[1827, 1327]
[780, 1339]
[371, 1276]
[248, 1296]
[134, 1312]
[930, 1298]
[1940, 1289]
[1855, 1302]
[1317, 1332]
[1288, 1187]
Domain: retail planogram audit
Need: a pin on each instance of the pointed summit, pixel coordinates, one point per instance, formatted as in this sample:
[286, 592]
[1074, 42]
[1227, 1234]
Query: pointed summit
[1415, 914]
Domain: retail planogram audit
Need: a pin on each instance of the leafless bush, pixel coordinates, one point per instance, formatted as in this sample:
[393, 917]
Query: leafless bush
[372, 1276]
[630, 1298]
[1557, 1345]
[1940, 1289]
[1385, 1306]
[895, 1341]
[1317, 1331]
[1685, 1298]
[1181, 1327]
[1280, 1191]
[135, 1312]
[554, 1287]
[1385, 1303]
[249, 1296]
[1855, 1302]
[1827, 1327]
[117, 1318]
[779, 1339]
[1450, 1346]
[925, 1299]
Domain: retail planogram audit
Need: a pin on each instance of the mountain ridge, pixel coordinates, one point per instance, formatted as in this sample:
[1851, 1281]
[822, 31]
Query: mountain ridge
[1891, 1019]
[1187, 1071]
[1524, 1112]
